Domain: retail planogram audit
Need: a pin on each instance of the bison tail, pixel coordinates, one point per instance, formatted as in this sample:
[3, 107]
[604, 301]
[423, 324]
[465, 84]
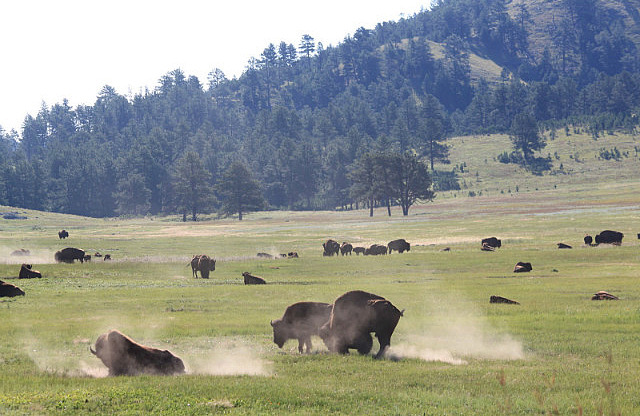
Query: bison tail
[402, 312]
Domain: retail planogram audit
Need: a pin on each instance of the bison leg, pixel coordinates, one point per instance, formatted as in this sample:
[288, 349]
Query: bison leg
[364, 343]
[385, 341]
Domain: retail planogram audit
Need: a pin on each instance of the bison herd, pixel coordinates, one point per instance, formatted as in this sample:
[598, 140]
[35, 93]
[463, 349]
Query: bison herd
[332, 247]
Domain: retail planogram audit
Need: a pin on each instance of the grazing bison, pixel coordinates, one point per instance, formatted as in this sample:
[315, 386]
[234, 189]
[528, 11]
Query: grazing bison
[522, 267]
[204, 264]
[300, 321]
[492, 242]
[609, 237]
[500, 299]
[63, 234]
[331, 247]
[563, 245]
[21, 252]
[602, 295]
[399, 245]
[87, 257]
[346, 248]
[250, 279]
[588, 240]
[8, 290]
[375, 249]
[27, 273]
[69, 254]
[354, 315]
[125, 357]
[359, 250]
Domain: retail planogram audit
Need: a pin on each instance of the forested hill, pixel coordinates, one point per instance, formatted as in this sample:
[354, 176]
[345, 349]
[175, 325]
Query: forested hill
[301, 118]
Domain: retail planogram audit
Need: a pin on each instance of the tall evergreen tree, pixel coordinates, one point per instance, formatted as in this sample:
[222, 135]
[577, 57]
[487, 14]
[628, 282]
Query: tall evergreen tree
[190, 185]
[239, 191]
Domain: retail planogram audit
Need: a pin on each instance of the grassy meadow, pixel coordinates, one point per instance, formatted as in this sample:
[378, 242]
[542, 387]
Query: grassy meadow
[452, 353]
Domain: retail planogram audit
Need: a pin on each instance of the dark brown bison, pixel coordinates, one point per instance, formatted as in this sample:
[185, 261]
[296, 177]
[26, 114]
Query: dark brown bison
[21, 252]
[609, 237]
[125, 357]
[63, 234]
[563, 245]
[500, 299]
[8, 290]
[375, 250]
[27, 273]
[522, 267]
[399, 245]
[106, 257]
[602, 295]
[346, 248]
[492, 242]
[588, 240]
[359, 250]
[97, 254]
[69, 254]
[87, 257]
[331, 247]
[356, 314]
[204, 264]
[300, 321]
[250, 279]
[292, 255]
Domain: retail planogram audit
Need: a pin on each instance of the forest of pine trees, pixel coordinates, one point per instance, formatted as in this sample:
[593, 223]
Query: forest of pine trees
[301, 120]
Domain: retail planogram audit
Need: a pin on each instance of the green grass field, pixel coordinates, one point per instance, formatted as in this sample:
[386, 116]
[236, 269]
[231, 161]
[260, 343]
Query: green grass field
[452, 353]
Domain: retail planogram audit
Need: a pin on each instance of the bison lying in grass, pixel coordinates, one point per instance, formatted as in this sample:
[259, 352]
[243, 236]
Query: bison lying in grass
[125, 357]
[27, 273]
[9, 291]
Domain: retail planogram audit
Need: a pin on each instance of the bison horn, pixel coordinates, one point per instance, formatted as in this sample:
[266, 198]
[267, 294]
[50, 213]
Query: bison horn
[92, 351]
[271, 322]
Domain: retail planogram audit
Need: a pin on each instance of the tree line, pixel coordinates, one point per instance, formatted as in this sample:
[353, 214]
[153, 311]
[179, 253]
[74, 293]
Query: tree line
[305, 123]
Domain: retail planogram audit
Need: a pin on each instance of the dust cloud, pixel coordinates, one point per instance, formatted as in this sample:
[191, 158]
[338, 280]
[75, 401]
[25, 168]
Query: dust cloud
[453, 335]
[41, 256]
[227, 358]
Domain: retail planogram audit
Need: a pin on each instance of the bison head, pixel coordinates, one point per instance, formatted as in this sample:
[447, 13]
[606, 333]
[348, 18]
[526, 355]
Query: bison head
[280, 332]
[172, 364]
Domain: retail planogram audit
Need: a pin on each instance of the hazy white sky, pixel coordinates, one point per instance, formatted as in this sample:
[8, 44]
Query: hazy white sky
[56, 49]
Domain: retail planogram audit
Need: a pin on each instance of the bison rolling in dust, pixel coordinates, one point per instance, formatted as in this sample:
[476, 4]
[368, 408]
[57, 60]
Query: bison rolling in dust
[125, 357]
[300, 321]
[204, 264]
[354, 316]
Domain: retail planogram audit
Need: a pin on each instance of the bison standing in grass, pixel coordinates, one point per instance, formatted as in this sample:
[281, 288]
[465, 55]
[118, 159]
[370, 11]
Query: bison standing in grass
[609, 237]
[346, 248]
[63, 234]
[354, 316]
[202, 263]
[125, 357]
[399, 245]
[300, 321]
[330, 247]
[375, 250]
[69, 254]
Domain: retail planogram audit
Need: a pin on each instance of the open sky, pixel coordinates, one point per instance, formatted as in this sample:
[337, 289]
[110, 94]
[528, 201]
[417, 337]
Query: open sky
[57, 49]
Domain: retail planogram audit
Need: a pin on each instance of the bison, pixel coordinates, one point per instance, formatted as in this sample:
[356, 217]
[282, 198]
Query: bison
[204, 264]
[346, 248]
[492, 242]
[331, 247]
[563, 245]
[106, 257]
[125, 357]
[264, 255]
[500, 299]
[250, 279]
[63, 234]
[27, 273]
[69, 254]
[609, 237]
[359, 250]
[588, 240]
[354, 315]
[399, 245]
[522, 267]
[375, 250]
[8, 290]
[602, 295]
[300, 321]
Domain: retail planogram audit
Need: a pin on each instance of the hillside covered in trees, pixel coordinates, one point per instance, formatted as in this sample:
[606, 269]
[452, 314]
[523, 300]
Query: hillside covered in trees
[305, 124]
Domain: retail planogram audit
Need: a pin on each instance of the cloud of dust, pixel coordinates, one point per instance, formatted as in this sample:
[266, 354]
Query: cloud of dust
[458, 333]
[228, 359]
[42, 256]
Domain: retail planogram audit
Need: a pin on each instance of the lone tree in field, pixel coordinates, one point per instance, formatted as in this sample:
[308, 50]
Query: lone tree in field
[192, 191]
[413, 181]
[239, 191]
[525, 136]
